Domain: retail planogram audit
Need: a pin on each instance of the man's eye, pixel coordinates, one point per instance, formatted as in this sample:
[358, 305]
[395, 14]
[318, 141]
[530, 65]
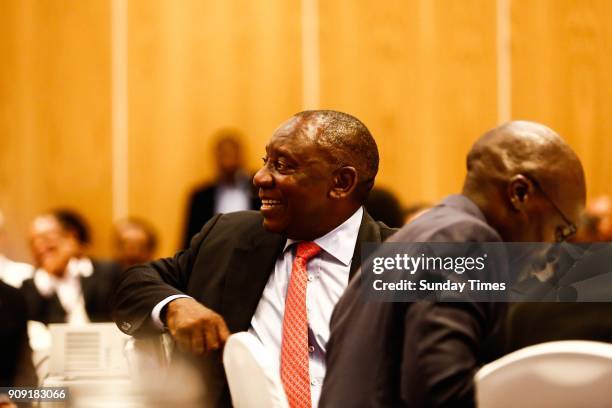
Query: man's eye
[278, 165]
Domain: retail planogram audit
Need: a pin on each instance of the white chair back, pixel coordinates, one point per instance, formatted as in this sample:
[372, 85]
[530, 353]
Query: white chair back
[557, 374]
[254, 379]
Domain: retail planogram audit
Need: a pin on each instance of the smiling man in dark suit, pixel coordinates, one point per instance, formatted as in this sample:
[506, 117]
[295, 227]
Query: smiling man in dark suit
[276, 273]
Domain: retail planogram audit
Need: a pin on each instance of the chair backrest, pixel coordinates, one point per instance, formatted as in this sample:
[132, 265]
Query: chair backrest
[253, 378]
[556, 374]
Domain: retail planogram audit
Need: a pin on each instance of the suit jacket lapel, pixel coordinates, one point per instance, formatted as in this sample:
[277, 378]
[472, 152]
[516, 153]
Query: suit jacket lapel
[249, 268]
[369, 231]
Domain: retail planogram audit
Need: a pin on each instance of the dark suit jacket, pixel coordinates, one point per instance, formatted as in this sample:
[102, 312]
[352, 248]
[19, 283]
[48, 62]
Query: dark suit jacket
[413, 354]
[97, 290]
[202, 208]
[16, 367]
[226, 269]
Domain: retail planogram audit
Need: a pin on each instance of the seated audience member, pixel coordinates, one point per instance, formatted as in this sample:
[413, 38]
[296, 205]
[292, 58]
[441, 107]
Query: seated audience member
[601, 210]
[68, 286]
[523, 183]
[135, 242]
[231, 191]
[276, 273]
[16, 368]
[587, 229]
[384, 206]
[11, 272]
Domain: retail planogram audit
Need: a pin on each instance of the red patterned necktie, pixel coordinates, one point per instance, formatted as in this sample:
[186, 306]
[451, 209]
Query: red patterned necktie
[294, 349]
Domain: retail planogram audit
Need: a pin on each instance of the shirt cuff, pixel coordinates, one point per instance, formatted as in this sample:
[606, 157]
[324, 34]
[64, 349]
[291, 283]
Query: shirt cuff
[155, 313]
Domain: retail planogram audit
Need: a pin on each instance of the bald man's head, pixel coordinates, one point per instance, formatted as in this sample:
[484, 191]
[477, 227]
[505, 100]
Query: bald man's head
[527, 180]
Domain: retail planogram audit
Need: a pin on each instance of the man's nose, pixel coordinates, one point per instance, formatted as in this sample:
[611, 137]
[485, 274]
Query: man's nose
[263, 178]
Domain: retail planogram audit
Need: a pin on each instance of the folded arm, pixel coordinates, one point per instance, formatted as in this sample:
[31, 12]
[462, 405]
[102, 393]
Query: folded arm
[141, 288]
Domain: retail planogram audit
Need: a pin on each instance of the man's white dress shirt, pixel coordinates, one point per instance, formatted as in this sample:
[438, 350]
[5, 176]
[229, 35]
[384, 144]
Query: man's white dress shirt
[328, 276]
[14, 273]
[232, 197]
[68, 288]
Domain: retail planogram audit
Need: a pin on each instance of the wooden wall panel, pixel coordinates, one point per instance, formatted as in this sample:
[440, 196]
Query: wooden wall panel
[195, 67]
[421, 75]
[54, 115]
[561, 59]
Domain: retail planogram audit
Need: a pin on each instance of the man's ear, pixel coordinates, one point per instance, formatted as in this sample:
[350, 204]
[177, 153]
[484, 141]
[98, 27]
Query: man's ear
[520, 190]
[345, 181]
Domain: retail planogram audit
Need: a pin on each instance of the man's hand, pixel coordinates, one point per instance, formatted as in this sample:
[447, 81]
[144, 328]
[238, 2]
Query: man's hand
[195, 328]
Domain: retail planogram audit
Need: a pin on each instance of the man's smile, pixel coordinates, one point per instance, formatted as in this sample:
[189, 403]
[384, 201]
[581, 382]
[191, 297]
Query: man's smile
[270, 205]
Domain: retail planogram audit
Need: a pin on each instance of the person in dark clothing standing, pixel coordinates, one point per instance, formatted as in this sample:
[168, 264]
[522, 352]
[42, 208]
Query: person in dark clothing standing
[231, 191]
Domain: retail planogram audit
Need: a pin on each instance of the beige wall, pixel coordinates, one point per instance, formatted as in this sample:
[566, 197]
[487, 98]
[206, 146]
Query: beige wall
[561, 59]
[193, 70]
[422, 74]
[54, 114]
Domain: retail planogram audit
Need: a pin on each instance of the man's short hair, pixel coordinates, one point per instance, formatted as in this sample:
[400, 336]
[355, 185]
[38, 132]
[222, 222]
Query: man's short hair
[349, 142]
[73, 222]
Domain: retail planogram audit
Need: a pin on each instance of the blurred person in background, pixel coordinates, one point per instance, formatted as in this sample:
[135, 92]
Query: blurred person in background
[68, 286]
[135, 242]
[596, 222]
[231, 191]
[587, 229]
[384, 206]
[11, 272]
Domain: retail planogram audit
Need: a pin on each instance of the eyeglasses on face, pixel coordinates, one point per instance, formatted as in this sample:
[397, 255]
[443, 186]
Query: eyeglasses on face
[562, 232]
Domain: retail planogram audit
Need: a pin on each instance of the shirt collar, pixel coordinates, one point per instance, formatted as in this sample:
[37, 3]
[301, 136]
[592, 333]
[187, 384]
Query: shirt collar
[339, 242]
[47, 283]
[80, 267]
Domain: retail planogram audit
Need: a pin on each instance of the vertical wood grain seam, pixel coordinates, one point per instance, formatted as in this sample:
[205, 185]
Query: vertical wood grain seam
[310, 54]
[504, 61]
